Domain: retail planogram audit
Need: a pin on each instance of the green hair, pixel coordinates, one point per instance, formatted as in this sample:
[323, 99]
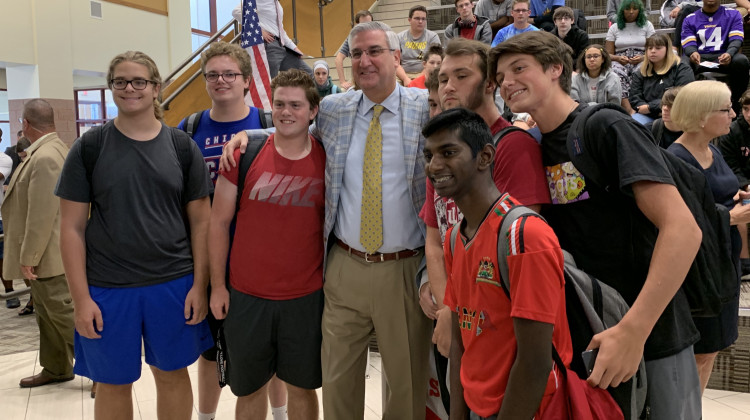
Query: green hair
[627, 4]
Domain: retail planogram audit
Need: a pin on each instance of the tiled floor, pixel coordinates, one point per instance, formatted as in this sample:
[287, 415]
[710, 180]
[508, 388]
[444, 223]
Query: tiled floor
[71, 400]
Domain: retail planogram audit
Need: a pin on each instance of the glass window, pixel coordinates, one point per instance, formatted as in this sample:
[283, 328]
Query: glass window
[224, 11]
[93, 107]
[198, 40]
[200, 15]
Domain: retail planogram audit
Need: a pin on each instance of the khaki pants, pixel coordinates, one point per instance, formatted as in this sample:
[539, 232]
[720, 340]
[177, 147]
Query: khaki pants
[361, 297]
[54, 315]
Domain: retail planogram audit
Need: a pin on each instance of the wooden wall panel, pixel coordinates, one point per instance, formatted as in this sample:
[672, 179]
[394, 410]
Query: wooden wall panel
[336, 19]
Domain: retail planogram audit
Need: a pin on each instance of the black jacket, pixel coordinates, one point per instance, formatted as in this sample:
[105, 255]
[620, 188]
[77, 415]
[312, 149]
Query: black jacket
[735, 147]
[576, 39]
[649, 90]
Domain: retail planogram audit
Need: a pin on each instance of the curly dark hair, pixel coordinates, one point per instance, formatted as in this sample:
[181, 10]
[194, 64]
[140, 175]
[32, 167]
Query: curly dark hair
[606, 63]
[627, 4]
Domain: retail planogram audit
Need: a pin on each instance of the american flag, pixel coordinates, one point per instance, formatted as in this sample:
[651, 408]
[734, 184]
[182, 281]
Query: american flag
[252, 40]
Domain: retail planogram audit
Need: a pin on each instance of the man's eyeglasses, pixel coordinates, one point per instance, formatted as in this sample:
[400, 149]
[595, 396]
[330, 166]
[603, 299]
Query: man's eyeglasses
[419, 19]
[138, 84]
[371, 52]
[593, 56]
[520, 10]
[227, 77]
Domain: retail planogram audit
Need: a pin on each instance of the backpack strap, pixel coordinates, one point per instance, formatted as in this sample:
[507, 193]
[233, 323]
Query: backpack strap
[91, 144]
[191, 125]
[576, 145]
[254, 144]
[266, 121]
[454, 235]
[182, 145]
[513, 215]
[501, 134]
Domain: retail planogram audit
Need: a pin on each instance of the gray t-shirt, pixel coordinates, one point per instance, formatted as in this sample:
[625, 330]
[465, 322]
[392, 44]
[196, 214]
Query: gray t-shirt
[492, 10]
[136, 235]
[345, 48]
[412, 50]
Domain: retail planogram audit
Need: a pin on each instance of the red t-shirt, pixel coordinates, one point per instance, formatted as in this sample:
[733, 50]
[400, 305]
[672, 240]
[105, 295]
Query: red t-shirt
[277, 251]
[518, 171]
[474, 291]
[468, 33]
[418, 82]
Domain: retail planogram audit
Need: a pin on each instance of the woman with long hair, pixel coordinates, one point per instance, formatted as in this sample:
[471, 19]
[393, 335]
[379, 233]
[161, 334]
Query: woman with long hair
[703, 110]
[626, 43]
[595, 83]
[661, 70]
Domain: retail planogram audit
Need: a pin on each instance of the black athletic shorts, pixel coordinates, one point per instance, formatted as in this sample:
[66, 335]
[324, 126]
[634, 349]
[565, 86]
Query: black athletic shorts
[266, 337]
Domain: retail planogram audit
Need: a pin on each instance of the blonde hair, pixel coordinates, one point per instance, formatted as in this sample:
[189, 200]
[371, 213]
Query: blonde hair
[670, 59]
[695, 101]
[153, 74]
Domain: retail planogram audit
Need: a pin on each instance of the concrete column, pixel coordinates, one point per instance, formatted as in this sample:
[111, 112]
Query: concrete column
[51, 76]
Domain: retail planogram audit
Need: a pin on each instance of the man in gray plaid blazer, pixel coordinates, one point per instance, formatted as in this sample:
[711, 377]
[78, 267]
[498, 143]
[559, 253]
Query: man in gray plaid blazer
[366, 292]
[375, 290]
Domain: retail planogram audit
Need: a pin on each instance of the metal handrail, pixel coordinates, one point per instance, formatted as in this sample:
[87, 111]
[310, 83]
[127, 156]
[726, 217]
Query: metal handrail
[214, 37]
[166, 102]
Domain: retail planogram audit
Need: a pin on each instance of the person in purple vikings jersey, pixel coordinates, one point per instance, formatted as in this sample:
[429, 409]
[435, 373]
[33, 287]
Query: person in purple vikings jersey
[715, 34]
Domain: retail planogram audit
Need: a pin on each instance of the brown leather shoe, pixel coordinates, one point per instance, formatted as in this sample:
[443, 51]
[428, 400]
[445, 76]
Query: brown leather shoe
[39, 380]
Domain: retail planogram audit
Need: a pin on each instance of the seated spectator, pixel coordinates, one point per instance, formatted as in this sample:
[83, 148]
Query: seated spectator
[468, 25]
[414, 41]
[520, 24]
[542, 12]
[323, 80]
[660, 71]
[595, 83]
[626, 43]
[576, 38]
[703, 110]
[735, 148]
[431, 61]
[613, 6]
[665, 131]
[714, 34]
[361, 16]
[670, 9]
[743, 6]
[433, 99]
[498, 12]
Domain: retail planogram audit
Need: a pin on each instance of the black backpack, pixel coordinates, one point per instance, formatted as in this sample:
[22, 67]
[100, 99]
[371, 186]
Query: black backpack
[712, 278]
[591, 307]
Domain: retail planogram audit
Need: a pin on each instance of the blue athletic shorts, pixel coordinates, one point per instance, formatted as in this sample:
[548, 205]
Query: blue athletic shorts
[153, 315]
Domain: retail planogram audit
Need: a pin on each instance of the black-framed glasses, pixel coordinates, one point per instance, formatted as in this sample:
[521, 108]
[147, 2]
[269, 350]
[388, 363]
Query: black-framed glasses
[371, 52]
[227, 77]
[138, 84]
[727, 110]
[593, 56]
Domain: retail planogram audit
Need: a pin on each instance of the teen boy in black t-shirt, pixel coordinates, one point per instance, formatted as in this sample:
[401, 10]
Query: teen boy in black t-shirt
[637, 235]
